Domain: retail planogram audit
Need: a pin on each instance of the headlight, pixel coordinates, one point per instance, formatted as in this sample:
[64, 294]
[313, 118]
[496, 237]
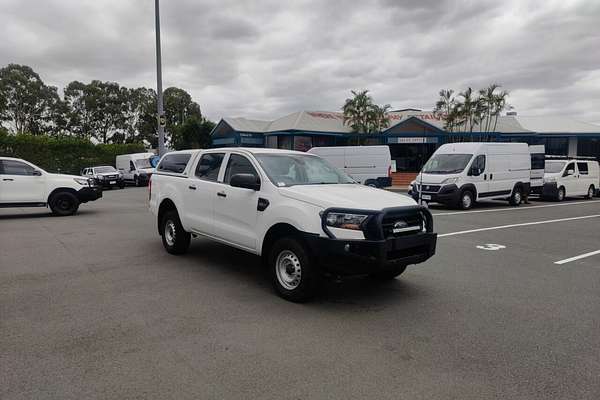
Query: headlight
[345, 221]
[99, 177]
[83, 182]
[449, 181]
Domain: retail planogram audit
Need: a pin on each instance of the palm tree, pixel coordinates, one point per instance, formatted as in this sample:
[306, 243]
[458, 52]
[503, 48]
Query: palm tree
[487, 95]
[444, 108]
[499, 105]
[362, 115]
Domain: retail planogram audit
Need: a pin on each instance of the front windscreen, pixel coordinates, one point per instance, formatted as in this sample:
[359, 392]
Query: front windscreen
[553, 167]
[143, 163]
[447, 163]
[101, 170]
[300, 169]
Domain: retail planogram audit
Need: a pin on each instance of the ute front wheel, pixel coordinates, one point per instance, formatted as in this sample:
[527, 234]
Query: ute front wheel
[64, 204]
[292, 269]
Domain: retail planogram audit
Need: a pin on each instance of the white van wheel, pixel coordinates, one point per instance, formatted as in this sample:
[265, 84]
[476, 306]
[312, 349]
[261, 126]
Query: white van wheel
[560, 195]
[466, 200]
[516, 197]
[591, 192]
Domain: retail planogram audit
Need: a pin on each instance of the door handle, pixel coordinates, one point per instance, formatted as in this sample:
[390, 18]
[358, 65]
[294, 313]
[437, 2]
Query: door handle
[191, 187]
[221, 194]
[485, 177]
[491, 176]
[8, 179]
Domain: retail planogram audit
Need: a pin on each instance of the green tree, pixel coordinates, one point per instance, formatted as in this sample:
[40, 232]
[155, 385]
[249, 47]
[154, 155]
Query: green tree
[26, 103]
[179, 106]
[364, 116]
[194, 133]
[98, 109]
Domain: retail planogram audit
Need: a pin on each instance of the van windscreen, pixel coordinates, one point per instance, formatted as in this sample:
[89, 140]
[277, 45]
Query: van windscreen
[447, 163]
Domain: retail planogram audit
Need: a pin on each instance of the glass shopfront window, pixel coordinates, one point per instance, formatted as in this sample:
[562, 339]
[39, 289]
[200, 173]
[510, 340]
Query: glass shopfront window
[302, 143]
[285, 142]
[271, 142]
[557, 146]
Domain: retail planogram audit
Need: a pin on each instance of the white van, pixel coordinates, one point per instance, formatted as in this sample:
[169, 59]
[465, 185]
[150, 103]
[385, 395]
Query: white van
[136, 167]
[538, 164]
[570, 177]
[459, 174]
[368, 165]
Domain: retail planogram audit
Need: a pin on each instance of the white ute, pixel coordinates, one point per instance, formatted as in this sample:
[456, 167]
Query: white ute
[23, 184]
[301, 214]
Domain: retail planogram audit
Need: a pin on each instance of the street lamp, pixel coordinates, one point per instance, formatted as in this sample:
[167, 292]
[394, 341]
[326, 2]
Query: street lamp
[159, 92]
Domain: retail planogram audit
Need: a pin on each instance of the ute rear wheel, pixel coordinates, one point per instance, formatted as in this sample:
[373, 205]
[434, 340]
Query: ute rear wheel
[64, 204]
[293, 272]
[175, 239]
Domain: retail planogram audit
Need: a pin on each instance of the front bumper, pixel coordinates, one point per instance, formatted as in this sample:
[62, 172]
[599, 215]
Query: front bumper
[382, 247]
[448, 194]
[107, 182]
[357, 257]
[89, 193]
[550, 190]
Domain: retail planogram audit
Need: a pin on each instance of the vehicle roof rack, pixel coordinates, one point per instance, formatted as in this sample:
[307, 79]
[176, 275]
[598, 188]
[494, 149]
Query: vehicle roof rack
[556, 157]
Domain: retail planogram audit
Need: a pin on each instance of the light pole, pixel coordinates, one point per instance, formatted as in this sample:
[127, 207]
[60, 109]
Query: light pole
[159, 92]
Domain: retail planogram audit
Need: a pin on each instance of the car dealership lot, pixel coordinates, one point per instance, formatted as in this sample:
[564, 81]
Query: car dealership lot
[92, 306]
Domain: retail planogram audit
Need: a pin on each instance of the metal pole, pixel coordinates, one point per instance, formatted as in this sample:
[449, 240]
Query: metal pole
[159, 92]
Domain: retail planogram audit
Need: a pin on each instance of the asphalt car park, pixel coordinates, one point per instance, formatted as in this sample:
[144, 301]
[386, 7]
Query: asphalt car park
[92, 306]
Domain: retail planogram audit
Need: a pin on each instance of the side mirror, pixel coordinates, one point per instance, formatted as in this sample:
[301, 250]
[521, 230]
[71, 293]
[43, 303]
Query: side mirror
[475, 171]
[36, 173]
[246, 181]
[571, 172]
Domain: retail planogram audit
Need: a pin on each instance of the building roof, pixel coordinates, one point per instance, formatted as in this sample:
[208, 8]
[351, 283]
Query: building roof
[333, 122]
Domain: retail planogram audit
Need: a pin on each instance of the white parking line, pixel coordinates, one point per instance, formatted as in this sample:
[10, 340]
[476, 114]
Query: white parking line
[567, 260]
[518, 208]
[491, 228]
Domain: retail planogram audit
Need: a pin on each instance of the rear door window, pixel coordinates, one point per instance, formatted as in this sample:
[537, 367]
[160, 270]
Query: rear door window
[583, 168]
[209, 166]
[174, 162]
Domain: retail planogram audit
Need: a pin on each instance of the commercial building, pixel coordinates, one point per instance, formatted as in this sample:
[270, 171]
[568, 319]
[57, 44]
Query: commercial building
[412, 135]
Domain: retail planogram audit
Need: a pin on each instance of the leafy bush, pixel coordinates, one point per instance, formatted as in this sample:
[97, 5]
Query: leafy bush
[67, 155]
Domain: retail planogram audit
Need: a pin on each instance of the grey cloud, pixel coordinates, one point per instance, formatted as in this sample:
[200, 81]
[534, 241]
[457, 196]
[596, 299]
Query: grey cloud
[263, 59]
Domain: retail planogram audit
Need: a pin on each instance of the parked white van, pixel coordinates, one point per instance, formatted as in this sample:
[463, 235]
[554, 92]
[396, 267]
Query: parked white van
[136, 167]
[369, 165]
[459, 174]
[570, 177]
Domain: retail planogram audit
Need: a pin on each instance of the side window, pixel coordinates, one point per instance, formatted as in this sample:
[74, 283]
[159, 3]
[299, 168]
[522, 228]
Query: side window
[478, 165]
[174, 162]
[570, 166]
[209, 165]
[131, 166]
[11, 167]
[238, 165]
[583, 168]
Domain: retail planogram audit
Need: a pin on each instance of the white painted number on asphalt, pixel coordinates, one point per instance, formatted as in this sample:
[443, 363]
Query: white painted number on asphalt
[491, 246]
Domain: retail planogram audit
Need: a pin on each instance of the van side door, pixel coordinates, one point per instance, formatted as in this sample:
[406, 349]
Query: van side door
[235, 208]
[570, 180]
[478, 175]
[585, 179]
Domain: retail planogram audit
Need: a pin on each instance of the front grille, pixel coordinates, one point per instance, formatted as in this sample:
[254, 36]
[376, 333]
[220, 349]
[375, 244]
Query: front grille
[401, 223]
[429, 188]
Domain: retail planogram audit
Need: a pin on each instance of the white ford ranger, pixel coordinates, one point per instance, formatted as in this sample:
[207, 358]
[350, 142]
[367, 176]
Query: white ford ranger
[301, 214]
[23, 184]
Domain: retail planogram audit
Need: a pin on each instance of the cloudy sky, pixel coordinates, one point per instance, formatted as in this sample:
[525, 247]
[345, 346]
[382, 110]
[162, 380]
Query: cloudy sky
[263, 59]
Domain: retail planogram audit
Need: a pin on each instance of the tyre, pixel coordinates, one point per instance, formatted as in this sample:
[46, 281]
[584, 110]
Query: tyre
[560, 195]
[122, 186]
[136, 181]
[466, 200]
[293, 272]
[389, 274]
[174, 238]
[64, 203]
[591, 192]
[516, 197]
